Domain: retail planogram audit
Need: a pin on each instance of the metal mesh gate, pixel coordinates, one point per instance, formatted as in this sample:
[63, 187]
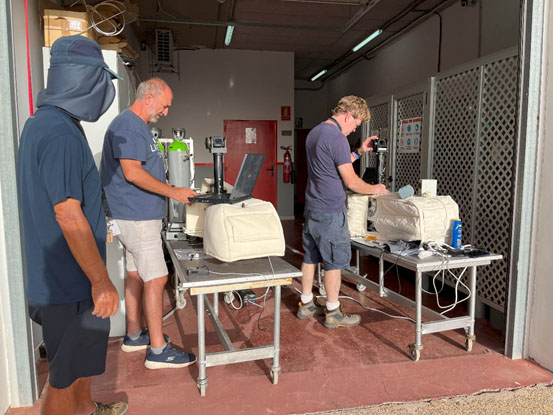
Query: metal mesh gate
[494, 197]
[408, 165]
[380, 116]
[474, 132]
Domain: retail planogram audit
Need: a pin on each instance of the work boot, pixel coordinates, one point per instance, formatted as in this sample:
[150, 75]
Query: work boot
[309, 310]
[115, 408]
[339, 318]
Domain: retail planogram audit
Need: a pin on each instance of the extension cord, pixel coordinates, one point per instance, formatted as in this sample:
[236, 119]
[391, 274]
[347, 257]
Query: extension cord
[424, 254]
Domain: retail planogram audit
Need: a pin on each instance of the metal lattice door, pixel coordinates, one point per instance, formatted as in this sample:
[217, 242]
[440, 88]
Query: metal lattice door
[474, 131]
[407, 165]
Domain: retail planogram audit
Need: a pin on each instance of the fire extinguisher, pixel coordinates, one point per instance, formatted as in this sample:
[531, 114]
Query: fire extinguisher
[287, 164]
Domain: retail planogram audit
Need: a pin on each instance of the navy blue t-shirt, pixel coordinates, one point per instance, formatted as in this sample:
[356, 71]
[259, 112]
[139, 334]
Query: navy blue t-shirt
[55, 163]
[326, 148]
[128, 137]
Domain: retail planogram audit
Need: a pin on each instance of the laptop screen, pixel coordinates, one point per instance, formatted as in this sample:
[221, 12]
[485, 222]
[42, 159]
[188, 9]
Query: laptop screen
[247, 176]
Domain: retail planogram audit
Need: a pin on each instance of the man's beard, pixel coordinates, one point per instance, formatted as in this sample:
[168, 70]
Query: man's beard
[154, 118]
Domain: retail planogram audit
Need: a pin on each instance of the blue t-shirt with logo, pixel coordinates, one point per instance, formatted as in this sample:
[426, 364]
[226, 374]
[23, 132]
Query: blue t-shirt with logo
[55, 163]
[128, 137]
[326, 148]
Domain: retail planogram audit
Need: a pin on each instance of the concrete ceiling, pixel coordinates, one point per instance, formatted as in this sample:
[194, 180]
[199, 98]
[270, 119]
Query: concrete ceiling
[320, 33]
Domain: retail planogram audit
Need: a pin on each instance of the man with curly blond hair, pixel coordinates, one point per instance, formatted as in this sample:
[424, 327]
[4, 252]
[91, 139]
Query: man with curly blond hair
[325, 231]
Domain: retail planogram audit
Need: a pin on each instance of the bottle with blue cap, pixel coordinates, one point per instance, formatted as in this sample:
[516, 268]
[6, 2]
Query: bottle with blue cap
[457, 234]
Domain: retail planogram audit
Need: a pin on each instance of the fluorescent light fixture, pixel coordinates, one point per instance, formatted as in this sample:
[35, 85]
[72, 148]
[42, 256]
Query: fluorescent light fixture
[367, 40]
[228, 36]
[319, 75]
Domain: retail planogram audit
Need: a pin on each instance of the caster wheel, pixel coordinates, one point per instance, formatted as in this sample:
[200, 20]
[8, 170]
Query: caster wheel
[414, 353]
[361, 287]
[322, 290]
[229, 297]
[181, 301]
[275, 372]
[468, 344]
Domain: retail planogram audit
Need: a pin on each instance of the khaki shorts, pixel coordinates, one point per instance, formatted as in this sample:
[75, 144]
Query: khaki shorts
[143, 249]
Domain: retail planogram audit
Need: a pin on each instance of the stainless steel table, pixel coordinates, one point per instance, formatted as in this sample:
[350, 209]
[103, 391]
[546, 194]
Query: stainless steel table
[429, 264]
[225, 277]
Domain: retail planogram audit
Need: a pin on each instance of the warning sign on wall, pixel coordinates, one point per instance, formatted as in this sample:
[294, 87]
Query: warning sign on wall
[410, 135]
[285, 113]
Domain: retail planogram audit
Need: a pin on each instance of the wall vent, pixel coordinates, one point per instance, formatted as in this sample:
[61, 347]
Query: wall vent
[164, 49]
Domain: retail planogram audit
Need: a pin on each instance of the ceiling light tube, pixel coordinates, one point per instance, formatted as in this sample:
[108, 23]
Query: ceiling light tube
[319, 75]
[228, 36]
[367, 40]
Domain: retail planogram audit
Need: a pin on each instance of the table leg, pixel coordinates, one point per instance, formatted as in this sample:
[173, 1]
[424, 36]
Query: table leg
[202, 376]
[415, 349]
[216, 303]
[275, 367]
[471, 337]
[381, 277]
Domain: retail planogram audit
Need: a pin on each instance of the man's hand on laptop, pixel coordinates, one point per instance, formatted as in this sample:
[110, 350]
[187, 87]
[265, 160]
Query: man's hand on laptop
[182, 194]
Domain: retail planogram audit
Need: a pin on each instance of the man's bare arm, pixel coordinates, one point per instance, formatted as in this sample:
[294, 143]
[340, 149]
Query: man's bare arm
[135, 173]
[79, 237]
[353, 182]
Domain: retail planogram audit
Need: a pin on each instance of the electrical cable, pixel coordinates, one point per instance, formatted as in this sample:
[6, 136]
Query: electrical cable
[439, 43]
[358, 302]
[117, 26]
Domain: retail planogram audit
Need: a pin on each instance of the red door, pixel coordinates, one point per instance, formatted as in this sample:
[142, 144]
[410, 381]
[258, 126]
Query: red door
[253, 137]
[300, 165]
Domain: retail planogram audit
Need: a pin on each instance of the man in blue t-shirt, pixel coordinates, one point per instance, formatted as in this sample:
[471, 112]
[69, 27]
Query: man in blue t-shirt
[325, 235]
[68, 289]
[133, 176]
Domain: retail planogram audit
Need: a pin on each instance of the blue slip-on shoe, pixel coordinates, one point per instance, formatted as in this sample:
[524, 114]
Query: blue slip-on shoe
[168, 358]
[141, 343]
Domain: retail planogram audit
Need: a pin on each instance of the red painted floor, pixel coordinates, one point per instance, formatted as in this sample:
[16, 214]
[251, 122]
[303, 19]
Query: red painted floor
[321, 369]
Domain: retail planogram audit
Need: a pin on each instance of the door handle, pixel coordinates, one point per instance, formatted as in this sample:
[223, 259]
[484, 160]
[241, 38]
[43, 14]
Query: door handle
[272, 170]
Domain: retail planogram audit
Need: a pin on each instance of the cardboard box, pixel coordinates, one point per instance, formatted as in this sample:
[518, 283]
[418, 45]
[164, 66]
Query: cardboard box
[58, 23]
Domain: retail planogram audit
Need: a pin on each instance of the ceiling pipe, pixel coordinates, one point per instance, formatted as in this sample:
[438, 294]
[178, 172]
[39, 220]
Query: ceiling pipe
[237, 24]
[348, 25]
[360, 13]
[406, 28]
[349, 52]
[338, 2]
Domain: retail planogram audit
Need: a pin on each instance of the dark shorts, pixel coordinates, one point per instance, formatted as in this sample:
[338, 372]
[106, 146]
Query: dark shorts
[76, 341]
[325, 239]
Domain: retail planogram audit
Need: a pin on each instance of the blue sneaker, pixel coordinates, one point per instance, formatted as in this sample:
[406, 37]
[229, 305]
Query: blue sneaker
[168, 358]
[139, 344]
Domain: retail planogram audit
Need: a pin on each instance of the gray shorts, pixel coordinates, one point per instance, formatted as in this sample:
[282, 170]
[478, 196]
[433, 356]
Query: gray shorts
[325, 239]
[143, 247]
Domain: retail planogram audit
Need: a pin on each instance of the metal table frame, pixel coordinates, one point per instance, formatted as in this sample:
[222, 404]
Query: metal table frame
[440, 322]
[238, 275]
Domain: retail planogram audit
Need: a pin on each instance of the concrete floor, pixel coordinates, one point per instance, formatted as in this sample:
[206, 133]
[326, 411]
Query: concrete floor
[322, 370]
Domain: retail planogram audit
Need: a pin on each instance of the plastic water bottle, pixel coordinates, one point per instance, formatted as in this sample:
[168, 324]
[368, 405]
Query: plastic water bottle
[457, 234]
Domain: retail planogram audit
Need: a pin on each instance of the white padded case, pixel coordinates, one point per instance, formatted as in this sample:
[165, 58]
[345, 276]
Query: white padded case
[249, 229]
[415, 218]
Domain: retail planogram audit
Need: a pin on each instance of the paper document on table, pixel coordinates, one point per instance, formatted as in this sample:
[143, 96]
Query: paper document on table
[394, 247]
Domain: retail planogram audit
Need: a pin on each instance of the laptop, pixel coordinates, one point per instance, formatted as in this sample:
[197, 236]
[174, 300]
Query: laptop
[245, 183]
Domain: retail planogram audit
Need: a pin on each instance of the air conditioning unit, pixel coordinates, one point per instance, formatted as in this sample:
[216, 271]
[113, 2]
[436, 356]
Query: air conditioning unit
[163, 50]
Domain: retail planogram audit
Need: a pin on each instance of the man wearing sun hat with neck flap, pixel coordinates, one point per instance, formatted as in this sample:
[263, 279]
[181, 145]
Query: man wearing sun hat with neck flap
[68, 289]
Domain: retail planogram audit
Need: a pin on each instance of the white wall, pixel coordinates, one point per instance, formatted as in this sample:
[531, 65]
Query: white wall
[5, 330]
[539, 335]
[215, 85]
[468, 33]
